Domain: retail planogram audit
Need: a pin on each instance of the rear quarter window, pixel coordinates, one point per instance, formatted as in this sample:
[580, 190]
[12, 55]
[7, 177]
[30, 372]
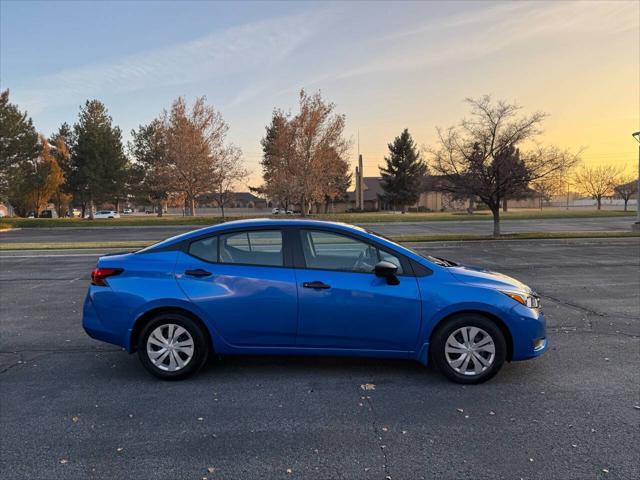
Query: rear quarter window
[205, 249]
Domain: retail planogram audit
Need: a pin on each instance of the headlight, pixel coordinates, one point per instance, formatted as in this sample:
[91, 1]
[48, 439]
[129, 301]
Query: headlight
[525, 299]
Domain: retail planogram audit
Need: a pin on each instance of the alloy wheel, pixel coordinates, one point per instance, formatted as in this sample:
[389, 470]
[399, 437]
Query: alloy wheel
[470, 350]
[170, 347]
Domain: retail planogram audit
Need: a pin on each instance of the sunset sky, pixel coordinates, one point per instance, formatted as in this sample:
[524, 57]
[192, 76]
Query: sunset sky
[387, 66]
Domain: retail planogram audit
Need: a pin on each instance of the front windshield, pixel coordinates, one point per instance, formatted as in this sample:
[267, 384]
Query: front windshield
[437, 260]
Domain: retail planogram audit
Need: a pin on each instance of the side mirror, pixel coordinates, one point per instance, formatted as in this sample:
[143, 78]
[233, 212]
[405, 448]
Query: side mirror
[387, 270]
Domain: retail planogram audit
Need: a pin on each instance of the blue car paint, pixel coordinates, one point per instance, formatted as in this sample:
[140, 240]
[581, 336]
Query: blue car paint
[359, 311]
[249, 306]
[265, 310]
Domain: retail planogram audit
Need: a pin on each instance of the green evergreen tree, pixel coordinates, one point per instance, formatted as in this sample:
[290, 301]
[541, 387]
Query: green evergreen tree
[277, 185]
[18, 141]
[65, 132]
[403, 174]
[98, 164]
[151, 173]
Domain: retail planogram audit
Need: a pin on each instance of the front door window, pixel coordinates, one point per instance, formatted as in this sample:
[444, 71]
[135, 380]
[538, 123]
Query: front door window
[332, 251]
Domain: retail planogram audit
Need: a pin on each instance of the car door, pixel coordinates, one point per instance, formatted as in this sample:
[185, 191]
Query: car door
[343, 304]
[243, 283]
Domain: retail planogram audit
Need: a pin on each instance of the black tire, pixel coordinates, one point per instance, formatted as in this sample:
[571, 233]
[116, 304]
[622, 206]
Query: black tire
[439, 340]
[201, 345]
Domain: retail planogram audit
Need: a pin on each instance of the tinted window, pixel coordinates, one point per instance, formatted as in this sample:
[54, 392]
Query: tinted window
[205, 249]
[332, 251]
[260, 247]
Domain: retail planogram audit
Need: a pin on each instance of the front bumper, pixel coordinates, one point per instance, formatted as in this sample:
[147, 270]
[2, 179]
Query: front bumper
[529, 332]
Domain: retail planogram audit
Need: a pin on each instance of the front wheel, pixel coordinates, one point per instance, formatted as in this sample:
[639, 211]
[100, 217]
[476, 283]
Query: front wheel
[469, 349]
[172, 346]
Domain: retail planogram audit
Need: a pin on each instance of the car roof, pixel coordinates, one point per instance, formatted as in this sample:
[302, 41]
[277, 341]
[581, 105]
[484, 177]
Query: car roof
[257, 223]
[275, 222]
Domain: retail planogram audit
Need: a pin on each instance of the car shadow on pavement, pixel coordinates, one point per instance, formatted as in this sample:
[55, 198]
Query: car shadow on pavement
[267, 368]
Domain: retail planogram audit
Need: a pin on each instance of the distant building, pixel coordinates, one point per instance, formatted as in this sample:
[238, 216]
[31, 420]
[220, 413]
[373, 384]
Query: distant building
[6, 210]
[370, 193]
[247, 200]
[372, 197]
[368, 196]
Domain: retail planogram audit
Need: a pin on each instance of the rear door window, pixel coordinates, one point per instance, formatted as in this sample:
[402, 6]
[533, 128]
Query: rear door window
[257, 247]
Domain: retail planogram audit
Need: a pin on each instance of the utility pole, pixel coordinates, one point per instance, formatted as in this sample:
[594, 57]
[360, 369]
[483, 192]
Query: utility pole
[360, 183]
[636, 226]
[359, 180]
[357, 188]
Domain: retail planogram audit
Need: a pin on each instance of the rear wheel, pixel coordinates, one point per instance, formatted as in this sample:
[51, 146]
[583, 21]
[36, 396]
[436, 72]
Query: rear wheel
[469, 349]
[172, 346]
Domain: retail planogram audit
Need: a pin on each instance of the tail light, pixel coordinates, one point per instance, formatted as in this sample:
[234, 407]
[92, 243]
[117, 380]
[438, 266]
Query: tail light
[100, 275]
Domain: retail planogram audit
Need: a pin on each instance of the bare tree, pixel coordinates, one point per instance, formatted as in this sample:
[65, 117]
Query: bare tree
[336, 180]
[301, 151]
[547, 187]
[37, 181]
[230, 171]
[61, 198]
[481, 157]
[597, 181]
[627, 187]
[195, 142]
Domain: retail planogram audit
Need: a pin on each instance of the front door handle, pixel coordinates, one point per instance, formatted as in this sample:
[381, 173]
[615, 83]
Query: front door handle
[317, 285]
[198, 272]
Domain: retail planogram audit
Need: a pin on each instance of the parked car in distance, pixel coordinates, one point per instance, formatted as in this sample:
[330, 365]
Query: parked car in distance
[304, 287]
[283, 211]
[100, 214]
[127, 211]
[76, 213]
[48, 214]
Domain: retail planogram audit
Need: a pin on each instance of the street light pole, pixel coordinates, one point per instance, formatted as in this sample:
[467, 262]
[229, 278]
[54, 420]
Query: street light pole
[636, 226]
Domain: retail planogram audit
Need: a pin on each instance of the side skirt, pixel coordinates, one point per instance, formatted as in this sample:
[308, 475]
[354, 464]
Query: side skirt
[307, 351]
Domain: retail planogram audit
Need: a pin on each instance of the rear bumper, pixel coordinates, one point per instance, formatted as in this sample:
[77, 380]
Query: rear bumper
[94, 326]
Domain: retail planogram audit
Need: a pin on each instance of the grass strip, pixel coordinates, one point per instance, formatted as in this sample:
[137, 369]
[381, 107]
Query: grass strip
[131, 244]
[511, 236]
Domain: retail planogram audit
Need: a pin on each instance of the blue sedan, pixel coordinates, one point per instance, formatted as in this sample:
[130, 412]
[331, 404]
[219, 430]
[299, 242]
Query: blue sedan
[304, 287]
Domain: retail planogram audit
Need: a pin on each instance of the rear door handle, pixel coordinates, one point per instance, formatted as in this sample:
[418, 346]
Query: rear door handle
[317, 284]
[198, 272]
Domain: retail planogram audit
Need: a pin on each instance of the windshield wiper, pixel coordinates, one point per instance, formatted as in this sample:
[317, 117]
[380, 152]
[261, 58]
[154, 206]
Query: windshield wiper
[443, 262]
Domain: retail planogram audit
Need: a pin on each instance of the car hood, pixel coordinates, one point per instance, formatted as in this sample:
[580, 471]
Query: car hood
[486, 278]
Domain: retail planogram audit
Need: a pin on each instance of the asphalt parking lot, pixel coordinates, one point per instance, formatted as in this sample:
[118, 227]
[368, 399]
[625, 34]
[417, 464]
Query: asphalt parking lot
[483, 227]
[74, 408]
